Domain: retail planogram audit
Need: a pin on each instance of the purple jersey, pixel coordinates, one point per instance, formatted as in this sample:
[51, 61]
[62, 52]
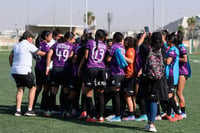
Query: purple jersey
[41, 62]
[173, 55]
[96, 56]
[183, 69]
[75, 66]
[114, 67]
[61, 53]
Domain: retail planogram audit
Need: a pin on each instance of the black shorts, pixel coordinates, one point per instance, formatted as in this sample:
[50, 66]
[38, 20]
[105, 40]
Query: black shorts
[186, 76]
[129, 86]
[24, 80]
[67, 77]
[57, 76]
[96, 78]
[76, 83]
[41, 77]
[170, 83]
[116, 80]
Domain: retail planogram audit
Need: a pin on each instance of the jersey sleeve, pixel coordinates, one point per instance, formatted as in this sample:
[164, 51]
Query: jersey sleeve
[32, 48]
[130, 53]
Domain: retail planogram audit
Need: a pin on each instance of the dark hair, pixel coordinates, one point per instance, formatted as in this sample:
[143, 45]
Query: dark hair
[56, 32]
[156, 41]
[173, 38]
[180, 37]
[41, 37]
[118, 36]
[130, 42]
[69, 35]
[62, 40]
[100, 34]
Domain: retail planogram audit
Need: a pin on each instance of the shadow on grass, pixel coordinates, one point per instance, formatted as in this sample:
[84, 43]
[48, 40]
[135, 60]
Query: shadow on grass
[11, 109]
[105, 124]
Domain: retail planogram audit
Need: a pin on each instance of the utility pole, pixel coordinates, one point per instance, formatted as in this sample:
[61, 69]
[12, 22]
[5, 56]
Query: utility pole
[110, 17]
[70, 15]
[86, 15]
[153, 14]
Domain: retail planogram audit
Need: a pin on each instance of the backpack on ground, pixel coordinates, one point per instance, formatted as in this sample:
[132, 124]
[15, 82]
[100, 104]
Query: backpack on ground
[154, 67]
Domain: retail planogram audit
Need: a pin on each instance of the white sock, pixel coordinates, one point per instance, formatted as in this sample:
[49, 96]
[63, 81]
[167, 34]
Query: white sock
[18, 110]
[29, 109]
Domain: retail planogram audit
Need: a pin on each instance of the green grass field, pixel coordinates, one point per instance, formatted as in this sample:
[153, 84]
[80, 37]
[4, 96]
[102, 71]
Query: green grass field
[11, 124]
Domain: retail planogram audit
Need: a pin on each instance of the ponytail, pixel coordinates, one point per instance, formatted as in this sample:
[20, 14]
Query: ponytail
[100, 34]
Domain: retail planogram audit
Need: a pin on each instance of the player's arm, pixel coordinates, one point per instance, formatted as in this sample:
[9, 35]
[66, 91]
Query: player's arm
[11, 56]
[168, 60]
[49, 55]
[183, 59]
[85, 57]
[129, 57]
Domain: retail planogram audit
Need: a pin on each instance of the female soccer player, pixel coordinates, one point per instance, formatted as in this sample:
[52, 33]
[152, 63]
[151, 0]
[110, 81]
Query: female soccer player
[60, 53]
[184, 72]
[40, 69]
[95, 76]
[172, 75]
[117, 74]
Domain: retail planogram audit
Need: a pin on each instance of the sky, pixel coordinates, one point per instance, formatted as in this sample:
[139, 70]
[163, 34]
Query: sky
[127, 14]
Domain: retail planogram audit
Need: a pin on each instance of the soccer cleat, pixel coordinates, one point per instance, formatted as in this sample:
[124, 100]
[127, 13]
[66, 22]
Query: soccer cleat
[91, 119]
[115, 119]
[129, 118]
[177, 117]
[48, 114]
[158, 117]
[142, 118]
[170, 118]
[83, 115]
[152, 128]
[184, 115]
[109, 117]
[101, 119]
[30, 113]
[17, 113]
[163, 115]
[147, 126]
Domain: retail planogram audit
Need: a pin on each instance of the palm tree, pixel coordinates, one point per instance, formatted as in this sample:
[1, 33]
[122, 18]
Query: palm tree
[90, 18]
[181, 28]
[191, 23]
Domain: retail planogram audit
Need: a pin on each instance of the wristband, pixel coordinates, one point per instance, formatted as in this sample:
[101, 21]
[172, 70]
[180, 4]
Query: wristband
[47, 68]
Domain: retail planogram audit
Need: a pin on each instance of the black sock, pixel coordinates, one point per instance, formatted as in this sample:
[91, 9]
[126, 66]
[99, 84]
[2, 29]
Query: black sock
[158, 112]
[183, 109]
[83, 102]
[51, 101]
[35, 99]
[67, 102]
[130, 113]
[142, 107]
[164, 105]
[101, 104]
[116, 103]
[173, 105]
[62, 101]
[45, 100]
[89, 106]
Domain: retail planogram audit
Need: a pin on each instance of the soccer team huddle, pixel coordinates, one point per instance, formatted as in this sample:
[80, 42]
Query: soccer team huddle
[149, 70]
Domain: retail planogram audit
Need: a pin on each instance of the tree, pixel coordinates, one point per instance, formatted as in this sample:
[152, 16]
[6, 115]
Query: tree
[181, 28]
[191, 23]
[90, 18]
